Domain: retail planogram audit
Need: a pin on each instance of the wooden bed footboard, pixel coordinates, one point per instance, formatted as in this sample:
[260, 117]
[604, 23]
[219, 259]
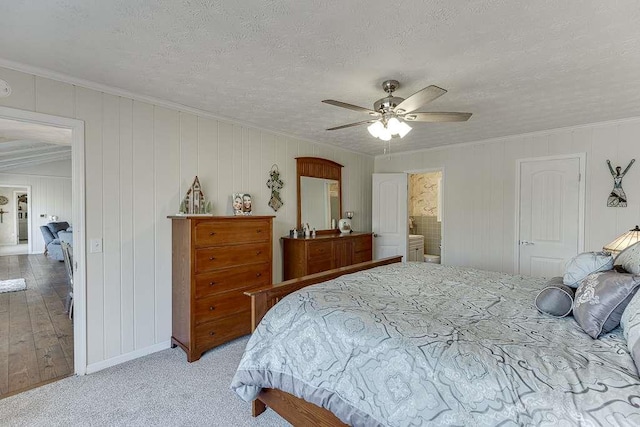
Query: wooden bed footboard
[293, 409]
[262, 299]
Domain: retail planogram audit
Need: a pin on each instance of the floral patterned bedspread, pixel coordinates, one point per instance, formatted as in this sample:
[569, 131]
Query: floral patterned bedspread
[422, 344]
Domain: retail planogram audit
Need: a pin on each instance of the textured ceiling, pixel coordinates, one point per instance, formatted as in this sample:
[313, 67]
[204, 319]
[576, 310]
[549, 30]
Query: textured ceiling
[519, 66]
[29, 144]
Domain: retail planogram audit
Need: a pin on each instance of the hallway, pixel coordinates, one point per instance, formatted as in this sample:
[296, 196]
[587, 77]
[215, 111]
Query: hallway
[36, 335]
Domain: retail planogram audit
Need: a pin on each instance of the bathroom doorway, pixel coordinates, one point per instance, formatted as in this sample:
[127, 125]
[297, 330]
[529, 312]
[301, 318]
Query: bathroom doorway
[425, 216]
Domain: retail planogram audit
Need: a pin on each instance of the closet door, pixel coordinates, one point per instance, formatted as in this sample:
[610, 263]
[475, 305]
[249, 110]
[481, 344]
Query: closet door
[550, 214]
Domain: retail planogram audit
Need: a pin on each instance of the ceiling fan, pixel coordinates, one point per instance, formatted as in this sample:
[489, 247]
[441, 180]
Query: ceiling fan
[390, 114]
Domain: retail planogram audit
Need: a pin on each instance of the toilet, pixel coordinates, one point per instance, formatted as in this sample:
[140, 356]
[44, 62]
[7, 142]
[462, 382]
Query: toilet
[433, 259]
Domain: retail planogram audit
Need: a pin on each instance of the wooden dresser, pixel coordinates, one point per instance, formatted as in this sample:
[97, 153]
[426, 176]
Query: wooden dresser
[216, 259]
[302, 256]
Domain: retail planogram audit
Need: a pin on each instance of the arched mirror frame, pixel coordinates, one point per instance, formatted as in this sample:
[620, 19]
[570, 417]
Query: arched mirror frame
[316, 167]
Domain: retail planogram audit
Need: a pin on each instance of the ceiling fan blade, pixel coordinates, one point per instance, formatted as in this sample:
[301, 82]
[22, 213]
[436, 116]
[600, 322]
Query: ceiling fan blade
[437, 117]
[351, 124]
[420, 98]
[350, 106]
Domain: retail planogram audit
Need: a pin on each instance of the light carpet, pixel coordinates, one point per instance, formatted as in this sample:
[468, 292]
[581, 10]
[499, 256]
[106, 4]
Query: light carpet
[12, 285]
[161, 389]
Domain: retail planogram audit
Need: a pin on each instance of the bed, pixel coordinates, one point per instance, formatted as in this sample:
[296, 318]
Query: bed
[417, 343]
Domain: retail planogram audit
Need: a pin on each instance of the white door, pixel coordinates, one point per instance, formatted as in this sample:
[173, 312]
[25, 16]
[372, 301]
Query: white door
[550, 215]
[390, 219]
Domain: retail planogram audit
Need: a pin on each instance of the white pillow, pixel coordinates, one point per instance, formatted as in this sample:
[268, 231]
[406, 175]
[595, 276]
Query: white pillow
[584, 264]
[629, 259]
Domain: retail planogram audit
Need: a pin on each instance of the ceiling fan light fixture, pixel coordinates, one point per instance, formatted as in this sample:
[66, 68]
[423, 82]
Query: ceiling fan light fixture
[394, 126]
[385, 135]
[403, 129]
[375, 129]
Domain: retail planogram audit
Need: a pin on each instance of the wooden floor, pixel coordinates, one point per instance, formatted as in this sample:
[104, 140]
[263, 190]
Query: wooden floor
[36, 335]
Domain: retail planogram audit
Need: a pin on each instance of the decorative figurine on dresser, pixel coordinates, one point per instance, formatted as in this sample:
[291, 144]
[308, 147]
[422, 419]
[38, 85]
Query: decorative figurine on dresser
[215, 260]
[320, 184]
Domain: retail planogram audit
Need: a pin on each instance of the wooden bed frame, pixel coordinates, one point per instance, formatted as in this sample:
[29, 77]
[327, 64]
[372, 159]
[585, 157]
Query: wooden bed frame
[297, 411]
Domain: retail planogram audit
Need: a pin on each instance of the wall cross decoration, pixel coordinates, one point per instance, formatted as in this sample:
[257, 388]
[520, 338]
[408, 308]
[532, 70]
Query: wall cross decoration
[275, 184]
[2, 212]
[617, 197]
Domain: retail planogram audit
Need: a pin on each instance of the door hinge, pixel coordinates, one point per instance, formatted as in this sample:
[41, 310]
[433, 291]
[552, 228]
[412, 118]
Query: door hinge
[579, 177]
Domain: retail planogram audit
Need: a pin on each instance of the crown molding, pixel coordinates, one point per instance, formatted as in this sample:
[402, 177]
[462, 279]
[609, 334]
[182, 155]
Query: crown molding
[112, 90]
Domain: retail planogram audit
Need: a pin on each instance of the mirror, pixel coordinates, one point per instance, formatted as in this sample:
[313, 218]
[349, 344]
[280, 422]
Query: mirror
[319, 192]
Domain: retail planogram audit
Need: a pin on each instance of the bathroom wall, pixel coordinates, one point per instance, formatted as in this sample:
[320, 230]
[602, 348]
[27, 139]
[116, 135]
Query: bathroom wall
[423, 209]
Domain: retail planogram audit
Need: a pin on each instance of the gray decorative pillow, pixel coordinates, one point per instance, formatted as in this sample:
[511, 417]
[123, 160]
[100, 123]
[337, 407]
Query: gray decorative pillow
[629, 259]
[585, 264]
[556, 299]
[630, 323]
[601, 299]
[57, 226]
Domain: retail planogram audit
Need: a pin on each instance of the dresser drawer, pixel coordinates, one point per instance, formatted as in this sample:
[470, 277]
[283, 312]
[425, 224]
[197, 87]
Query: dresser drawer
[229, 279]
[229, 256]
[362, 256]
[218, 306]
[319, 250]
[231, 231]
[318, 265]
[217, 332]
[362, 244]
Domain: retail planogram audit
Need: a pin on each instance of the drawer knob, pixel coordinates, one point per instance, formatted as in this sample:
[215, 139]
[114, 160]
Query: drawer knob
[211, 258]
[212, 333]
[212, 283]
[258, 253]
[211, 308]
[258, 231]
[213, 233]
[258, 274]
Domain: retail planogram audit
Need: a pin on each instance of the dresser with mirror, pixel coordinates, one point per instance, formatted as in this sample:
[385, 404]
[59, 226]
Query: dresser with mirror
[319, 190]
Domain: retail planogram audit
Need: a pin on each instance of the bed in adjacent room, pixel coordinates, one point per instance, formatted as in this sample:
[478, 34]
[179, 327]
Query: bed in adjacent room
[418, 343]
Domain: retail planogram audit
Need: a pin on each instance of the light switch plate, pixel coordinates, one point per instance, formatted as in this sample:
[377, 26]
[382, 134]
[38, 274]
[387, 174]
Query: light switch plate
[96, 246]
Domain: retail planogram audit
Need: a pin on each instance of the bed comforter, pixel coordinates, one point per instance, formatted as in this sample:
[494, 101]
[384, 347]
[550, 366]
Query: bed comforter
[422, 344]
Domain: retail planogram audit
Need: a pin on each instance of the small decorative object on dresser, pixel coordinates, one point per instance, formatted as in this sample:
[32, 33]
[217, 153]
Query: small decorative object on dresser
[215, 260]
[194, 202]
[241, 203]
[344, 225]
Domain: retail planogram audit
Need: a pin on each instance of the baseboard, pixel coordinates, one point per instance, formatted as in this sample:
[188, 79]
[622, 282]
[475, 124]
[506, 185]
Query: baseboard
[104, 364]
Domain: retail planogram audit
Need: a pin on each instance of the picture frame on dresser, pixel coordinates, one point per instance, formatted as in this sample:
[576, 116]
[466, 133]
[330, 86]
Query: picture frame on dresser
[214, 261]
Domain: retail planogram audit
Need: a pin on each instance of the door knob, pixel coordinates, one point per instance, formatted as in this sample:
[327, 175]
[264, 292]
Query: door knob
[525, 243]
[375, 234]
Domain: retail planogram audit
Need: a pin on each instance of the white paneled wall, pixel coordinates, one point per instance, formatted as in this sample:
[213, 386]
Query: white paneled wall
[49, 195]
[140, 159]
[479, 188]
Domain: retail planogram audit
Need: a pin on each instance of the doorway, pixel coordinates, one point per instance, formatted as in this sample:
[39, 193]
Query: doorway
[425, 216]
[550, 204]
[21, 199]
[43, 304]
[395, 227]
[13, 220]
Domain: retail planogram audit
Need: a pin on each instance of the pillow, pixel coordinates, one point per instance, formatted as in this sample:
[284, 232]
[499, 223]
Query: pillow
[585, 264]
[630, 323]
[629, 259]
[601, 298]
[57, 226]
[556, 299]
